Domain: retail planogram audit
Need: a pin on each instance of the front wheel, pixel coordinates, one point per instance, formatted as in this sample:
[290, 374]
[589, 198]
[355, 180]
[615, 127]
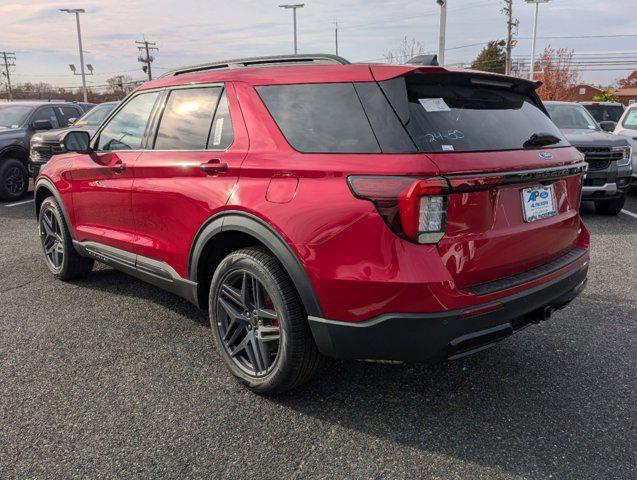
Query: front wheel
[57, 245]
[259, 324]
[14, 179]
[611, 207]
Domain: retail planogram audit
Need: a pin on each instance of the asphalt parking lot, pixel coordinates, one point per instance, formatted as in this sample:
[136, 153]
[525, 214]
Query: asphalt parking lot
[112, 378]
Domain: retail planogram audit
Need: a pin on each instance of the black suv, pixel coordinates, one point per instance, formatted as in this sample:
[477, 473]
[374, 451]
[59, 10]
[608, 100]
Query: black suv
[608, 156]
[46, 144]
[18, 122]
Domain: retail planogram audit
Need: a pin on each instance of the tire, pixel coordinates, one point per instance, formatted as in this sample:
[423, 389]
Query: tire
[284, 363]
[14, 179]
[611, 207]
[57, 245]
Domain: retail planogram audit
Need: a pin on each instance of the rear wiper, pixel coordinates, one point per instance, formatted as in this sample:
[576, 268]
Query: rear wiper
[541, 140]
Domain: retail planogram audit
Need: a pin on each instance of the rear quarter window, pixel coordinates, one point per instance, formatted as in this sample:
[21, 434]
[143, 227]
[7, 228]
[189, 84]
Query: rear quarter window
[320, 118]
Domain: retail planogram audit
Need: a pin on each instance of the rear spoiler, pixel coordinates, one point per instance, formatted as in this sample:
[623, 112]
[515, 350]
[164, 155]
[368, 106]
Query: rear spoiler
[383, 73]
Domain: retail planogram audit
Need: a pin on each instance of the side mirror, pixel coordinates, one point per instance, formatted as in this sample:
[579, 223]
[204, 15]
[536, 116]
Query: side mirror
[72, 120]
[41, 125]
[607, 125]
[77, 141]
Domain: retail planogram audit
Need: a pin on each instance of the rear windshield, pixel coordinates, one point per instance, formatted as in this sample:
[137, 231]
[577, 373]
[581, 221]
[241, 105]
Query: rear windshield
[605, 113]
[419, 113]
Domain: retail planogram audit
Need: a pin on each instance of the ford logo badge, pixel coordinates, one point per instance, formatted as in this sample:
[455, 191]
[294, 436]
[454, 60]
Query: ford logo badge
[546, 155]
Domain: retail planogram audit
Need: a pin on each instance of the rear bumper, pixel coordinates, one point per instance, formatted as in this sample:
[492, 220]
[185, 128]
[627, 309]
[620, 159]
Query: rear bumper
[429, 337]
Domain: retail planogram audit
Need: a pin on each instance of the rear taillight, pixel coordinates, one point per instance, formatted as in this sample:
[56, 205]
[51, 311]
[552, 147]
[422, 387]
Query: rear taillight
[415, 209]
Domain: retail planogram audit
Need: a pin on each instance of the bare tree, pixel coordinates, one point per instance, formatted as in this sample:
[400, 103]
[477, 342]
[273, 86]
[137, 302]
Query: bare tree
[408, 49]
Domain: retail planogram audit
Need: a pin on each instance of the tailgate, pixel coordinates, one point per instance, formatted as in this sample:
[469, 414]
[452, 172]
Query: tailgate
[487, 236]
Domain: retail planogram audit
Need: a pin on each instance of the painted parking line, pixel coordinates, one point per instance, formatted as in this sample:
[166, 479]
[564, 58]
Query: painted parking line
[634, 215]
[18, 203]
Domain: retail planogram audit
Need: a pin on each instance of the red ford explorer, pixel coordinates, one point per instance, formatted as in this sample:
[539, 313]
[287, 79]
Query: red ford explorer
[317, 207]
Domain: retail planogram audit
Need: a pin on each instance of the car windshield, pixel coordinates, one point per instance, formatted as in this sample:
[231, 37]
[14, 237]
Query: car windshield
[96, 115]
[606, 113]
[12, 116]
[571, 117]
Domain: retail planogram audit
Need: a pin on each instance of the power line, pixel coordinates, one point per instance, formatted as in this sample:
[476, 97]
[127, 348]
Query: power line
[8, 57]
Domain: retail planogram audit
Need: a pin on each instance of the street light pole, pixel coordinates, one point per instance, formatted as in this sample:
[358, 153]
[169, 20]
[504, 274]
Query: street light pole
[443, 28]
[537, 8]
[77, 12]
[294, 7]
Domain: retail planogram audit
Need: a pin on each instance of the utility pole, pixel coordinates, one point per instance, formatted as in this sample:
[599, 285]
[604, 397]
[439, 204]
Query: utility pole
[511, 24]
[443, 29]
[77, 12]
[8, 57]
[294, 7]
[537, 8]
[145, 47]
[336, 35]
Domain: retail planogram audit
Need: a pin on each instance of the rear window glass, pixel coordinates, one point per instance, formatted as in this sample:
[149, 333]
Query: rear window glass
[605, 113]
[320, 118]
[422, 113]
[447, 114]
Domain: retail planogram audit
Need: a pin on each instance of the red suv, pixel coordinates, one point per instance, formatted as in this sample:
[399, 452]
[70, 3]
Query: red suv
[317, 207]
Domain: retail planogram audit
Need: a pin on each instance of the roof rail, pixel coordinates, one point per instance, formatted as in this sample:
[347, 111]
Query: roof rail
[303, 59]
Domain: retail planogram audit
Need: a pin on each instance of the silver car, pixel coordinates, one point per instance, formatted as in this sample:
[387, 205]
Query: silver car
[627, 127]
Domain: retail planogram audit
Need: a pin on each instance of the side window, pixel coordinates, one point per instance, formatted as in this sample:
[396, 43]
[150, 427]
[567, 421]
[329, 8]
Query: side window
[125, 131]
[320, 118]
[47, 113]
[221, 135]
[66, 113]
[631, 119]
[185, 123]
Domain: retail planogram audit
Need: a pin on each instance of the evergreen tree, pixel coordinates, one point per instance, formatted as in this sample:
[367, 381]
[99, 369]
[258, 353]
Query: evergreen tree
[492, 58]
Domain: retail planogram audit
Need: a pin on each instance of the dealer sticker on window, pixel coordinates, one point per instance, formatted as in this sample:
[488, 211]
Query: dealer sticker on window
[434, 104]
[538, 203]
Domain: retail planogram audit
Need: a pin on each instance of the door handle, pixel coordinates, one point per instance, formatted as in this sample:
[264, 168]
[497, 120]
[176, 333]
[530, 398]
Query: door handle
[213, 167]
[118, 167]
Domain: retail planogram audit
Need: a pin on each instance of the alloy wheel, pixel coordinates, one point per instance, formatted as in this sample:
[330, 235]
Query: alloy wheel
[14, 181]
[248, 323]
[52, 241]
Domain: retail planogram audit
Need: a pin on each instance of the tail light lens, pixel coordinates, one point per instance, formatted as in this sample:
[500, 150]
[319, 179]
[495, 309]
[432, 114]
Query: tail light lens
[415, 209]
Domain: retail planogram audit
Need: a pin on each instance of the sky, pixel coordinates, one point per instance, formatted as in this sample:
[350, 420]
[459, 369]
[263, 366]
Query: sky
[189, 32]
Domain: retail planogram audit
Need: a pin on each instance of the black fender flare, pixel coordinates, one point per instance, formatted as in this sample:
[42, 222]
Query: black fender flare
[247, 223]
[19, 148]
[44, 182]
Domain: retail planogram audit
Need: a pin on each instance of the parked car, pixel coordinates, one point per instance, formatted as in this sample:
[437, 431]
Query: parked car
[627, 128]
[317, 207]
[608, 156]
[85, 106]
[48, 143]
[18, 122]
[606, 114]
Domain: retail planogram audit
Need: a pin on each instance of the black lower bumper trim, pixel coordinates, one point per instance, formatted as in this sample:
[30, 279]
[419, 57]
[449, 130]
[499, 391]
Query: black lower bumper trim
[430, 337]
